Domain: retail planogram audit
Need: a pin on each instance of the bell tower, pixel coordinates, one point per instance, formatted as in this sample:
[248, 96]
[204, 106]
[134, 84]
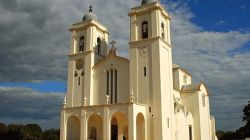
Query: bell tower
[88, 46]
[151, 79]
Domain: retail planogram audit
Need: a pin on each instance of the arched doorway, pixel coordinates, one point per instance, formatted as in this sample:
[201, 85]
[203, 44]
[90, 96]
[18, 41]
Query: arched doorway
[140, 127]
[95, 127]
[114, 129]
[73, 128]
[119, 127]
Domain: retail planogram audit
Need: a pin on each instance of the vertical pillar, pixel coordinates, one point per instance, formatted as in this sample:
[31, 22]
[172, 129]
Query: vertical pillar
[134, 73]
[133, 28]
[155, 16]
[63, 125]
[106, 124]
[84, 125]
[131, 123]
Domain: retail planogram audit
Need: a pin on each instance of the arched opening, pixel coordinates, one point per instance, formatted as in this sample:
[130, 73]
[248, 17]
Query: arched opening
[98, 45]
[95, 127]
[73, 128]
[162, 30]
[81, 44]
[93, 133]
[140, 127]
[114, 129]
[119, 127]
[144, 30]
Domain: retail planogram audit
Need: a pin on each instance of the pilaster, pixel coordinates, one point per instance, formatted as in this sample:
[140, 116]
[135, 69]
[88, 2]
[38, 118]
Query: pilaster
[84, 125]
[132, 122]
[63, 125]
[106, 124]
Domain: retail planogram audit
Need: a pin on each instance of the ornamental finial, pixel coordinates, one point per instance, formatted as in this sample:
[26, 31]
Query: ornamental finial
[131, 97]
[64, 102]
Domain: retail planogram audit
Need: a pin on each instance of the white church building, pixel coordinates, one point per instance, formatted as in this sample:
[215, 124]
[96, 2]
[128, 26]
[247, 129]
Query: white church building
[144, 97]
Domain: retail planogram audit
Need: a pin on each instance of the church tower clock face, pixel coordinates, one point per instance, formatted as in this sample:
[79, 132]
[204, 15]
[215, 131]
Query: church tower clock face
[79, 64]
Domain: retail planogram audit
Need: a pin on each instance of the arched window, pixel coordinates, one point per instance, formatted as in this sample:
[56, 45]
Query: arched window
[81, 44]
[98, 45]
[162, 30]
[144, 29]
[112, 79]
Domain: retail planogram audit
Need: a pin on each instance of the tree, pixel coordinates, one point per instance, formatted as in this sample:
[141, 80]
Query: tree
[242, 132]
[32, 132]
[245, 130]
[246, 111]
[51, 134]
[13, 132]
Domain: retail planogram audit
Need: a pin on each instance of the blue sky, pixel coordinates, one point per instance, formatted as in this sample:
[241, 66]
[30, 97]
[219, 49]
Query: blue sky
[41, 86]
[221, 15]
[211, 40]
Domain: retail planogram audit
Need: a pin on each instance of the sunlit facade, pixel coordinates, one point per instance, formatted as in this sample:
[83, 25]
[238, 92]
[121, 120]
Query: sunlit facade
[144, 97]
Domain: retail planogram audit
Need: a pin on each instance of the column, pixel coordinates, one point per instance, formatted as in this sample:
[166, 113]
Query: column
[106, 124]
[84, 125]
[131, 123]
[62, 126]
[133, 28]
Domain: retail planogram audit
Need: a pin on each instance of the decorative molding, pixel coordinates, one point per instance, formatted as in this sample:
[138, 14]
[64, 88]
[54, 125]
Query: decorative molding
[144, 51]
[107, 99]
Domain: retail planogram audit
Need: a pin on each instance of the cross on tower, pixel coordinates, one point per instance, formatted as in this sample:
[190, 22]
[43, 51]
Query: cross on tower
[90, 8]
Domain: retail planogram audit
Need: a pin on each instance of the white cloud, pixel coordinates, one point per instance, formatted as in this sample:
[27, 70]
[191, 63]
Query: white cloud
[35, 39]
[211, 57]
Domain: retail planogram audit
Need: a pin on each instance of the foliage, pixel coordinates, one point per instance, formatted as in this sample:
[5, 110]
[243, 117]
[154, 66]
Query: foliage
[51, 134]
[27, 132]
[246, 111]
[242, 132]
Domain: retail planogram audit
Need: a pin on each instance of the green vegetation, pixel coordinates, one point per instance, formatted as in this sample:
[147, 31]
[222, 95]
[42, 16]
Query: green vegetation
[242, 132]
[27, 132]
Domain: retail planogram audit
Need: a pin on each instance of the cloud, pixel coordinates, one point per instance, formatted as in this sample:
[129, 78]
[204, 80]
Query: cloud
[215, 58]
[35, 38]
[35, 41]
[25, 105]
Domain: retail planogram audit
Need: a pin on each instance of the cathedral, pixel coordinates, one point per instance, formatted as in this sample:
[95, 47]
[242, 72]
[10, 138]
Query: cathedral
[143, 97]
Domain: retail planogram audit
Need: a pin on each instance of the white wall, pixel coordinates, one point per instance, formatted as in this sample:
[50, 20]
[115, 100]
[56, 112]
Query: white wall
[100, 79]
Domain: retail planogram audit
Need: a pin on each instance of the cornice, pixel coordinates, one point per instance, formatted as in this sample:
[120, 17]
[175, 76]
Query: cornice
[151, 7]
[86, 24]
[74, 55]
[148, 40]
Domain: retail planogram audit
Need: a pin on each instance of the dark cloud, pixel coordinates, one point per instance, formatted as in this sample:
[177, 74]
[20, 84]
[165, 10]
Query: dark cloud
[24, 103]
[34, 42]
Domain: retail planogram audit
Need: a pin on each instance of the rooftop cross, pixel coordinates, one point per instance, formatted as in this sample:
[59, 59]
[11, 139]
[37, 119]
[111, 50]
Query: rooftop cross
[113, 49]
[113, 43]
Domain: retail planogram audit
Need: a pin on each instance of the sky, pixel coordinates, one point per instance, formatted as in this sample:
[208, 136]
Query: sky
[211, 40]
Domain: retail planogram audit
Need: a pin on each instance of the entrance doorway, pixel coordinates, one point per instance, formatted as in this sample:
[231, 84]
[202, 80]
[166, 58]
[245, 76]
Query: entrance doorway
[114, 129]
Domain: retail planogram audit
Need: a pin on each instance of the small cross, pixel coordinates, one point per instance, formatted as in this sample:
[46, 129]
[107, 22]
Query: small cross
[113, 43]
[90, 8]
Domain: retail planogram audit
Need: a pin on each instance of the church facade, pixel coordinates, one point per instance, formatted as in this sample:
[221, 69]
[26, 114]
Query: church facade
[144, 97]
